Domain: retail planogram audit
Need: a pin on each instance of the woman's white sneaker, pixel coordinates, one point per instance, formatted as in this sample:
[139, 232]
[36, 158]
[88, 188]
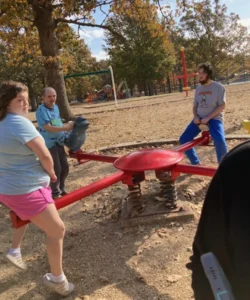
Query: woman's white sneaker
[63, 288]
[17, 261]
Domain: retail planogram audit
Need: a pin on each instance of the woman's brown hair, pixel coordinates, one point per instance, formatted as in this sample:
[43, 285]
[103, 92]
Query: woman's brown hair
[8, 91]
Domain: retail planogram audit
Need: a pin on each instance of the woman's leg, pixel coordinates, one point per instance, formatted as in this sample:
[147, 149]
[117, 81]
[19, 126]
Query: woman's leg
[17, 237]
[50, 222]
[14, 255]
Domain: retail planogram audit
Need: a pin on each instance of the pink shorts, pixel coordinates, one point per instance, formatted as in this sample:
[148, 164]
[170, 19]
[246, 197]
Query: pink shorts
[29, 205]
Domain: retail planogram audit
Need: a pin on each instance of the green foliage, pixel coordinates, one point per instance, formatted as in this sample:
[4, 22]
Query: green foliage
[208, 33]
[38, 46]
[141, 53]
[21, 60]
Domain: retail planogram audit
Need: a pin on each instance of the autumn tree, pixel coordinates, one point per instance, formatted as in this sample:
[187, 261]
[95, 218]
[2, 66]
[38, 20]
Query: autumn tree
[21, 59]
[141, 53]
[209, 33]
[46, 16]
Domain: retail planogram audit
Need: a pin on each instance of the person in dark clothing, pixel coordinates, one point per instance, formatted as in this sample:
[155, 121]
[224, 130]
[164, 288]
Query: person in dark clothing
[224, 226]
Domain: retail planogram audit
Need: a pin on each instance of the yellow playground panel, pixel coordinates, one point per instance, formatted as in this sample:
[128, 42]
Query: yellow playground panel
[246, 125]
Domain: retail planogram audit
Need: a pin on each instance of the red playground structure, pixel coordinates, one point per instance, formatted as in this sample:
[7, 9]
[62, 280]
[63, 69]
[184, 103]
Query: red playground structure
[131, 171]
[184, 75]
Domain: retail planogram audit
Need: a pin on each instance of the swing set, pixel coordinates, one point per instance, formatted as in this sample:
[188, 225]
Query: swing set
[107, 71]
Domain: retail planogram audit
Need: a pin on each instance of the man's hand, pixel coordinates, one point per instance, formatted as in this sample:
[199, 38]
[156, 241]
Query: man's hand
[197, 120]
[68, 126]
[205, 120]
[65, 127]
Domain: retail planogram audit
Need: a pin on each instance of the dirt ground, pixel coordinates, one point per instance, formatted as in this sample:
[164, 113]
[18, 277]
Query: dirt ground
[104, 261]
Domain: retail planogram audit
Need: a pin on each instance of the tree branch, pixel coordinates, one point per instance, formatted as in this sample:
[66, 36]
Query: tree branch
[88, 24]
[106, 15]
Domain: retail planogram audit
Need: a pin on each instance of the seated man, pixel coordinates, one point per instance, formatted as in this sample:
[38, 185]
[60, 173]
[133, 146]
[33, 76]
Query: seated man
[224, 227]
[209, 105]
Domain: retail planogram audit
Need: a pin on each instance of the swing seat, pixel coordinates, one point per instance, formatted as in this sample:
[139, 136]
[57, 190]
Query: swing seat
[203, 127]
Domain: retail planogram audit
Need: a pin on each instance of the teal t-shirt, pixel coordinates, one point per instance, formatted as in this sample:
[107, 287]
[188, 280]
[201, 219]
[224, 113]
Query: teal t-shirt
[45, 115]
[20, 169]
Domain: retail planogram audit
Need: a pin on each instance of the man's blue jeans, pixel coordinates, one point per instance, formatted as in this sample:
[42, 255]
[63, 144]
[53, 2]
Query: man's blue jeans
[216, 129]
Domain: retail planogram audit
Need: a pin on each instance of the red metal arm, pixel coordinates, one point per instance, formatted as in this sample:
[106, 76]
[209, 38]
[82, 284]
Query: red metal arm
[89, 189]
[85, 156]
[196, 170]
[76, 195]
[204, 140]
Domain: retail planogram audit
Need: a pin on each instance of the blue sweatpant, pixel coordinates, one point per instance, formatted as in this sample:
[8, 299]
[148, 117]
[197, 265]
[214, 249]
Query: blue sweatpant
[216, 129]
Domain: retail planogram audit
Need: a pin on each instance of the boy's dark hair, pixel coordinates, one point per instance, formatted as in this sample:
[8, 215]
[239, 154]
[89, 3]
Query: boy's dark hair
[207, 67]
[8, 91]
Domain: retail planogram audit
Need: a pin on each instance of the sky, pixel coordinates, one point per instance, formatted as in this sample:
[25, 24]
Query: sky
[94, 37]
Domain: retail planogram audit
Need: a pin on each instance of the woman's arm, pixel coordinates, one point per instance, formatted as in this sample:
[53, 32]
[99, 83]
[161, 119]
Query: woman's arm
[37, 145]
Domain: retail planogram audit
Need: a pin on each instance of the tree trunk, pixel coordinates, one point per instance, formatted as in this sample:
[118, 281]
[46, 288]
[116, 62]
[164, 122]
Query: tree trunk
[32, 95]
[152, 89]
[180, 85]
[43, 13]
[145, 88]
[149, 90]
[33, 101]
[155, 89]
[164, 88]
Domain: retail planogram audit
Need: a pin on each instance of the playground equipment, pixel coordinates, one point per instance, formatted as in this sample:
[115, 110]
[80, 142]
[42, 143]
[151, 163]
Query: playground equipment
[108, 92]
[246, 125]
[120, 91]
[203, 127]
[109, 70]
[166, 163]
[184, 75]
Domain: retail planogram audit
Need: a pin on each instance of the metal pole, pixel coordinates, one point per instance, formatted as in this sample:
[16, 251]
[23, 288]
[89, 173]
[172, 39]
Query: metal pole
[113, 84]
[192, 144]
[86, 74]
[94, 157]
[195, 170]
[89, 190]
[184, 69]
[244, 67]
